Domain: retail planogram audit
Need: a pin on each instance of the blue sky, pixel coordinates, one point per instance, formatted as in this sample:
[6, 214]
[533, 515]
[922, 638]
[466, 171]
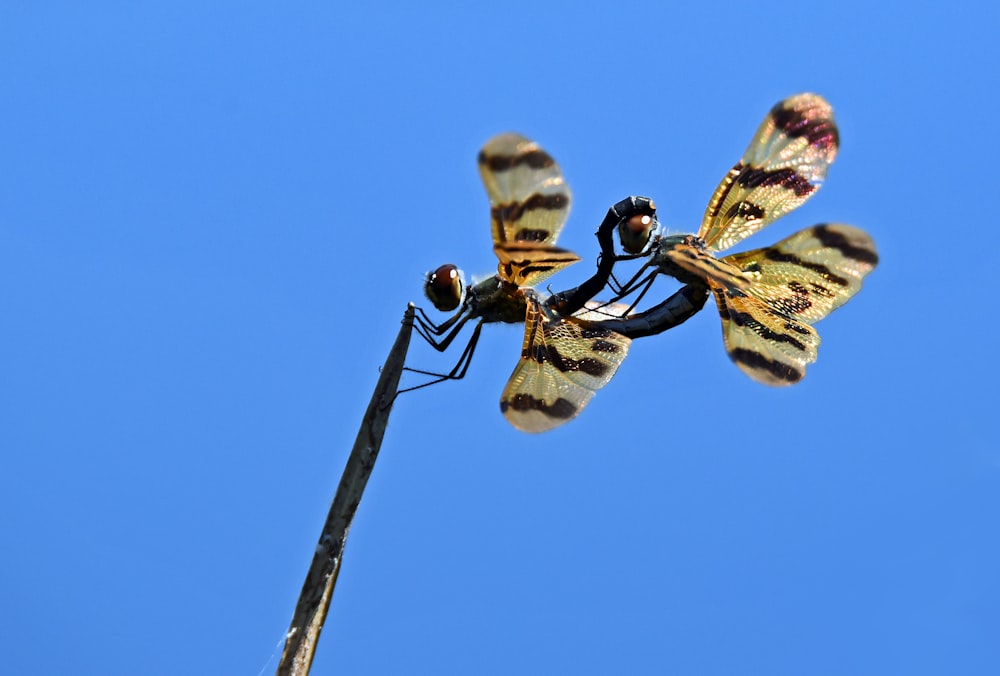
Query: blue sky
[213, 215]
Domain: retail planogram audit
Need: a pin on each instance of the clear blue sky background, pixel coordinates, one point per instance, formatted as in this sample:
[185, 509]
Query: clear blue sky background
[212, 216]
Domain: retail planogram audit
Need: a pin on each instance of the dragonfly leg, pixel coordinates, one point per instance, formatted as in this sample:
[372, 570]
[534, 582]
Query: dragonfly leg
[460, 368]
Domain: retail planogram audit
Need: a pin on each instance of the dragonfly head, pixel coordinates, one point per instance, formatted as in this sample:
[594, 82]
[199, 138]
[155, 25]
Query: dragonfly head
[445, 288]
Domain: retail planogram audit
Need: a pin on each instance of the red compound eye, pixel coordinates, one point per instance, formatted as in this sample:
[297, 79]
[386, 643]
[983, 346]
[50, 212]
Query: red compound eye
[444, 287]
[635, 232]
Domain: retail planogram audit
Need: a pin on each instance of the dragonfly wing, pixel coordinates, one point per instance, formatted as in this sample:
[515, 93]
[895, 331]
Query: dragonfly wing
[529, 204]
[563, 363]
[810, 274]
[795, 283]
[784, 165]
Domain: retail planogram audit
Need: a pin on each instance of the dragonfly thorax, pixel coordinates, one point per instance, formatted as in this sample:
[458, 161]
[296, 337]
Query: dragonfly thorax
[673, 256]
[497, 301]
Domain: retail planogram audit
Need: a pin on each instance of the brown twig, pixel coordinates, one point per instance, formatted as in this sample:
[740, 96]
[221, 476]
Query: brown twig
[317, 590]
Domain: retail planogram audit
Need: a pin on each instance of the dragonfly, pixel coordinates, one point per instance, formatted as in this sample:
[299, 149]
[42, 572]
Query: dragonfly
[566, 356]
[769, 298]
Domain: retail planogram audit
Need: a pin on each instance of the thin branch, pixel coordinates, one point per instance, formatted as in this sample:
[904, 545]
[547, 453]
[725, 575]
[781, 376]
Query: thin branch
[314, 600]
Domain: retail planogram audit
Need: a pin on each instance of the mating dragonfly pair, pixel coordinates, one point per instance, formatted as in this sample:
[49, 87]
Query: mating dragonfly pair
[768, 298]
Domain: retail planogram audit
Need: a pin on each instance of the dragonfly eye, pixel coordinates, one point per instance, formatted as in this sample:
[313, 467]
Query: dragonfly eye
[444, 287]
[635, 232]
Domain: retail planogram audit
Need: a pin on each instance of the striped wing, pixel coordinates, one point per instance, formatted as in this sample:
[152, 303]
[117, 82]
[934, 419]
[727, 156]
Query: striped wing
[529, 204]
[529, 264]
[768, 346]
[563, 363]
[784, 165]
[798, 281]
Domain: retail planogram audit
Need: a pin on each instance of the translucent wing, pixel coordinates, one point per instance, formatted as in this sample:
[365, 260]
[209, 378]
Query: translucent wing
[784, 165]
[529, 199]
[529, 204]
[563, 363]
[528, 263]
[795, 283]
[768, 346]
[811, 273]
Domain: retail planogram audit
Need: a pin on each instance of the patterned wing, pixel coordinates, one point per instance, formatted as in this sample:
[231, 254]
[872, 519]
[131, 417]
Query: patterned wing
[529, 204]
[811, 273]
[767, 345]
[784, 165]
[563, 363]
[529, 264]
[796, 282]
